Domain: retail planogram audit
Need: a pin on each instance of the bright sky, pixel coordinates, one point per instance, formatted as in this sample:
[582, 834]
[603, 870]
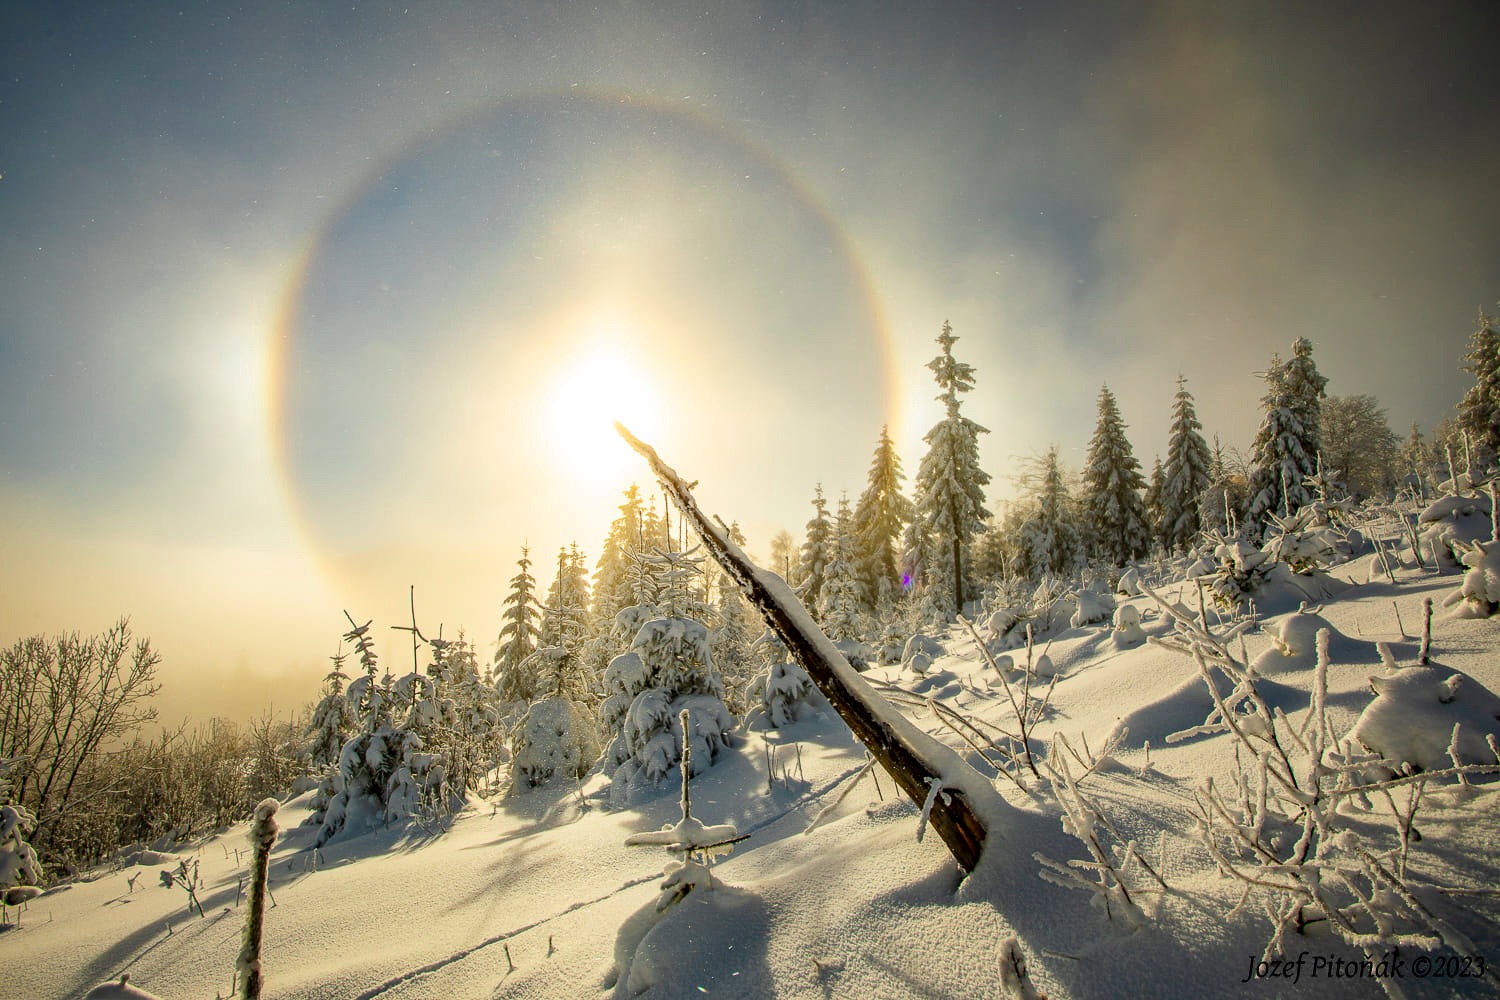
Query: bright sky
[305, 303]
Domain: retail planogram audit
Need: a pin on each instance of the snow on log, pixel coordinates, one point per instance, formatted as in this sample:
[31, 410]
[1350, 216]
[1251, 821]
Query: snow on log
[918, 763]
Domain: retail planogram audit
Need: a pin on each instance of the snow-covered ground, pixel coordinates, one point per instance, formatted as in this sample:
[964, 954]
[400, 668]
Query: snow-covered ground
[534, 895]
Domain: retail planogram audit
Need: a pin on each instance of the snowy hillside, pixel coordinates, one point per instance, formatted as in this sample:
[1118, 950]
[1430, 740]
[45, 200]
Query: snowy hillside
[537, 895]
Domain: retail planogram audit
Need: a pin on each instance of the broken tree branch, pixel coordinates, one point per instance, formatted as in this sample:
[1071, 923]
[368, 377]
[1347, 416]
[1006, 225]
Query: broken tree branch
[917, 762]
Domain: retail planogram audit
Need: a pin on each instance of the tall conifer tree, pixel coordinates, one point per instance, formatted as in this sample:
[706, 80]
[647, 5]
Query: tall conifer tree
[1286, 447]
[1112, 484]
[839, 609]
[817, 551]
[879, 518]
[612, 590]
[1155, 516]
[950, 484]
[1479, 411]
[1050, 541]
[1187, 474]
[565, 612]
[518, 635]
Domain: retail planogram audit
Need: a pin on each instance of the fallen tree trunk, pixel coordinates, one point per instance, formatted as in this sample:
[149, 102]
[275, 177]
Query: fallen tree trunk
[931, 774]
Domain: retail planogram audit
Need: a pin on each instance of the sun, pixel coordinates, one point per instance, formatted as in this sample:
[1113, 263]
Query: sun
[599, 382]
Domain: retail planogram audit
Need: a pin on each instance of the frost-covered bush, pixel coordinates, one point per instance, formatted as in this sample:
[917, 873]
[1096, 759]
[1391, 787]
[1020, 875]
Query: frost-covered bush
[1304, 542]
[1090, 607]
[668, 668]
[1479, 595]
[1127, 632]
[556, 738]
[997, 627]
[1299, 825]
[1289, 566]
[892, 642]
[1201, 565]
[1239, 570]
[1449, 524]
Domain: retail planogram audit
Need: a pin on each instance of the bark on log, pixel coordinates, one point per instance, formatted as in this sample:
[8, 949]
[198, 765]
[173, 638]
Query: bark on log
[911, 766]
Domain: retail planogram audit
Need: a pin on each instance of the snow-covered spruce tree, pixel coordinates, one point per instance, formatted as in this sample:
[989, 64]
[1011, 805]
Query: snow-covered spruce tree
[627, 536]
[1220, 506]
[333, 718]
[419, 783]
[1112, 485]
[403, 760]
[668, 668]
[677, 580]
[564, 616]
[1479, 410]
[356, 792]
[1151, 502]
[879, 518]
[781, 693]
[20, 871]
[1285, 452]
[1186, 476]
[558, 666]
[733, 636]
[839, 608]
[556, 738]
[1414, 463]
[518, 637]
[950, 484]
[474, 742]
[916, 556]
[991, 554]
[1050, 539]
[817, 551]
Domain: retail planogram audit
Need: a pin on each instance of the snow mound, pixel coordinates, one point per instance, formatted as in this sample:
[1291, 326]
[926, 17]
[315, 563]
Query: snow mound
[121, 990]
[146, 856]
[1189, 706]
[1044, 666]
[1283, 590]
[941, 684]
[1294, 644]
[712, 942]
[1414, 711]
[919, 653]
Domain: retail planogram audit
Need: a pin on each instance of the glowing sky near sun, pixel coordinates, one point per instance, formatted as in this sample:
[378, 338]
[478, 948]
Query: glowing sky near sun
[305, 304]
